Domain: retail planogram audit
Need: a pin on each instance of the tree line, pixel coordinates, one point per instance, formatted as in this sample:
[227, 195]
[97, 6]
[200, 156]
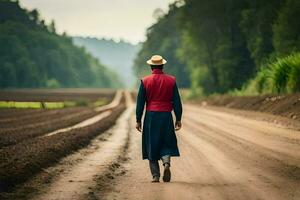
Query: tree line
[32, 54]
[216, 46]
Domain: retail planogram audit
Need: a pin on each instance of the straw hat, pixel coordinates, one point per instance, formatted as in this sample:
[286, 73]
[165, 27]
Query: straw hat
[156, 60]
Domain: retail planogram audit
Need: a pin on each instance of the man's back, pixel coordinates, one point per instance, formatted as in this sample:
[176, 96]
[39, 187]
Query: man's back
[159, 91]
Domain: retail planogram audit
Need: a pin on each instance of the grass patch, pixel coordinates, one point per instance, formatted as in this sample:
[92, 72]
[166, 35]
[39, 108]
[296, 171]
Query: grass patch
[14, 104]
[52, 105]
[281, 77]
[36, 105]
[100, 102]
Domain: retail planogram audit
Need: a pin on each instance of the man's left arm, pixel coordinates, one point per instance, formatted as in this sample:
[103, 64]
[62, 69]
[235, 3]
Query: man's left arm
[177, 105]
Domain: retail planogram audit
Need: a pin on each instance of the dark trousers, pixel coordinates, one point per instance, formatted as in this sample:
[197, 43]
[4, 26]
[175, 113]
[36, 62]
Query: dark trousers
[154, 165]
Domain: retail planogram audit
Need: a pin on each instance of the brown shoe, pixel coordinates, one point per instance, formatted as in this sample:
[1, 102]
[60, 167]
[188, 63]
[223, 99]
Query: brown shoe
[167, 173]
[155, 179]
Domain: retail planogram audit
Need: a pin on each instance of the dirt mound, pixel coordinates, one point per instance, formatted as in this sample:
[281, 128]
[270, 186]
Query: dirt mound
[21, 161]
[283, 105]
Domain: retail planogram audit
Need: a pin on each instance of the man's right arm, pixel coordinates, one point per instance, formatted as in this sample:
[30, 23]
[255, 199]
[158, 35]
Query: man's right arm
[140, 103]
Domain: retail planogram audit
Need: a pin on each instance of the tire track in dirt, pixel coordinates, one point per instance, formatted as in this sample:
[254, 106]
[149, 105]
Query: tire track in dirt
[279, 148]
[237, 166]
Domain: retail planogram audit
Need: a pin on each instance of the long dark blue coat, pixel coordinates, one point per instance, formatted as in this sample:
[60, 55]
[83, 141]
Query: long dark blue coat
[158, 135]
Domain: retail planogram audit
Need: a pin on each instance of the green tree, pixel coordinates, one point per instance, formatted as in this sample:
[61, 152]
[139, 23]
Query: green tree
[32, 54]
[256, 23]
[287, 29]
[212, 34]
[163, 38]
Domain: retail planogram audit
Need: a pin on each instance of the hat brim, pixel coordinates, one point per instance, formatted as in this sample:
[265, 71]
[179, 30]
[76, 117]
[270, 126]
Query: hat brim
[149, 62]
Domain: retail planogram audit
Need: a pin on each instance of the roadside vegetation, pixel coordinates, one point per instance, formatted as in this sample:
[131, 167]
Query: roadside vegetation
[279, 77]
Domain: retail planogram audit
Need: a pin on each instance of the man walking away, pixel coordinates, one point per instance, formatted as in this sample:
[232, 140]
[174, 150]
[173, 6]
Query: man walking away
[160, 93]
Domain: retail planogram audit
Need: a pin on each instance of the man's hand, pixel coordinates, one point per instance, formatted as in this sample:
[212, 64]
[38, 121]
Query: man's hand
[178, 125]
[138, 126]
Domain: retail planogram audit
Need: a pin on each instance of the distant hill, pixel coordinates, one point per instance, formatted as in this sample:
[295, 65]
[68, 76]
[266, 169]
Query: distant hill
[119, 56]
[33, 55]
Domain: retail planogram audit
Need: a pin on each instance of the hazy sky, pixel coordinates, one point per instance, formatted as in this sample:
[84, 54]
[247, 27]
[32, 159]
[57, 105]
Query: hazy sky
[126, 19]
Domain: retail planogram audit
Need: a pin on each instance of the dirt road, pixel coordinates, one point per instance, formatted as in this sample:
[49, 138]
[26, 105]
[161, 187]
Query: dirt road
[223, 156]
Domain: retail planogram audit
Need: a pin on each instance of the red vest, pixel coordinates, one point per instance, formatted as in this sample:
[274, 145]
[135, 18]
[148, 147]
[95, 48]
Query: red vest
[159, 91]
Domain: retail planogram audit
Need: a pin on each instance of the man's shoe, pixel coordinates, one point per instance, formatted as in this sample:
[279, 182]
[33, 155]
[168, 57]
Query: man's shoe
[155, 179]
[167, 173]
